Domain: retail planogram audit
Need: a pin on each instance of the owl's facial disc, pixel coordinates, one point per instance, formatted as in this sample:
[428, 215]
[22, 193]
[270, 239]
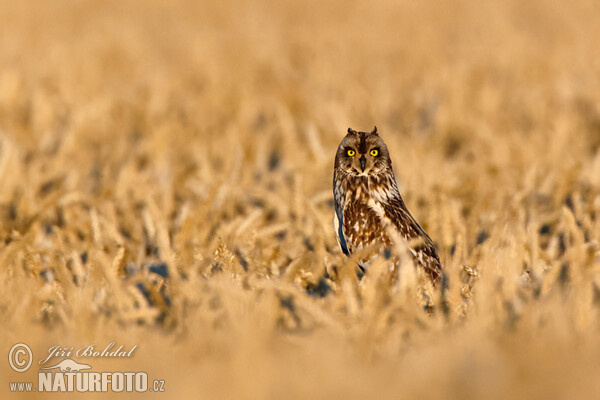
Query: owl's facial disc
[363, 164]
[362, 154]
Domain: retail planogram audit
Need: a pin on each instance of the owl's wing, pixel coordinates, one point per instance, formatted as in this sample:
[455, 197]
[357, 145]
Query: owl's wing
[424, 251]
[338, 224]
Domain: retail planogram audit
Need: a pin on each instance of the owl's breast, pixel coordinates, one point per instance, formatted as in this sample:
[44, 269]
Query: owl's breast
[362, 226]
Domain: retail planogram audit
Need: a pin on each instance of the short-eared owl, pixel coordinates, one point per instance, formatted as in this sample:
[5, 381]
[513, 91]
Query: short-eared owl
[368, 207]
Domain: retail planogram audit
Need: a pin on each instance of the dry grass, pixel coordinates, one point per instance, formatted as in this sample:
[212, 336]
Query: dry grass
[202, 136]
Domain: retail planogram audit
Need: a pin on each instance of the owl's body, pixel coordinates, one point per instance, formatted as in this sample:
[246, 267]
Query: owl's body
[369, 211]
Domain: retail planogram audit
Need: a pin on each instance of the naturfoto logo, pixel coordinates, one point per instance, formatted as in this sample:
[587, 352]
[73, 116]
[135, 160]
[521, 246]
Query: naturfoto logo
[73, 376]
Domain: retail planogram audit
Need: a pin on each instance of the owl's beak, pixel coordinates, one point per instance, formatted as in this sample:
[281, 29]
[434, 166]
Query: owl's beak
[363, 163]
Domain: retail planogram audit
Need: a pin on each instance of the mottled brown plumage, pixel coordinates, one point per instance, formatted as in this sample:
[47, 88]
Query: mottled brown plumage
[369, 211]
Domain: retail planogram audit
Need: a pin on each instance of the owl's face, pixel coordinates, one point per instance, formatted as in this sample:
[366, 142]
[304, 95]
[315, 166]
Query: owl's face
[362, 154]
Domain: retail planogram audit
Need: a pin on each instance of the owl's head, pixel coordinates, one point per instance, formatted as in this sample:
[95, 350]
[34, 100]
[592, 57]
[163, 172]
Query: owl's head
[363, 154]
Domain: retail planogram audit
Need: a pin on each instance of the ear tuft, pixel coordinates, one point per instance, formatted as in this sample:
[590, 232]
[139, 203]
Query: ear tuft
[350, 130]
[374, 131]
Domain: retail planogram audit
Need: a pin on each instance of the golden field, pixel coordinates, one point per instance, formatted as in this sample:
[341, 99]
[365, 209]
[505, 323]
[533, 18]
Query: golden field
[199, 137]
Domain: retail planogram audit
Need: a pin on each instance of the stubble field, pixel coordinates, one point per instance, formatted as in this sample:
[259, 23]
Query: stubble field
[165, 182]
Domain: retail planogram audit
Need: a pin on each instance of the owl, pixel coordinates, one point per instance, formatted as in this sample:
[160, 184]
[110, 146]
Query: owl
[369, 211]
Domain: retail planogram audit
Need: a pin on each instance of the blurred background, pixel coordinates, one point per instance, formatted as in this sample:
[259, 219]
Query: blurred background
[165, 181]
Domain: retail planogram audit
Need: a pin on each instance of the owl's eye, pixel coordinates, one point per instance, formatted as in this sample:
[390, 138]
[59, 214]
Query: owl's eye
[374, 152]
[351, 152]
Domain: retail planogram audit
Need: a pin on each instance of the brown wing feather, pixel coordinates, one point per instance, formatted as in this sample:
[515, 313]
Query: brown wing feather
[426, 253]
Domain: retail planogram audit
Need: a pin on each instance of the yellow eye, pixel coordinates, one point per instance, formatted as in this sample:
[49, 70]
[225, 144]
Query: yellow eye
[374, 152]
[351, 152]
